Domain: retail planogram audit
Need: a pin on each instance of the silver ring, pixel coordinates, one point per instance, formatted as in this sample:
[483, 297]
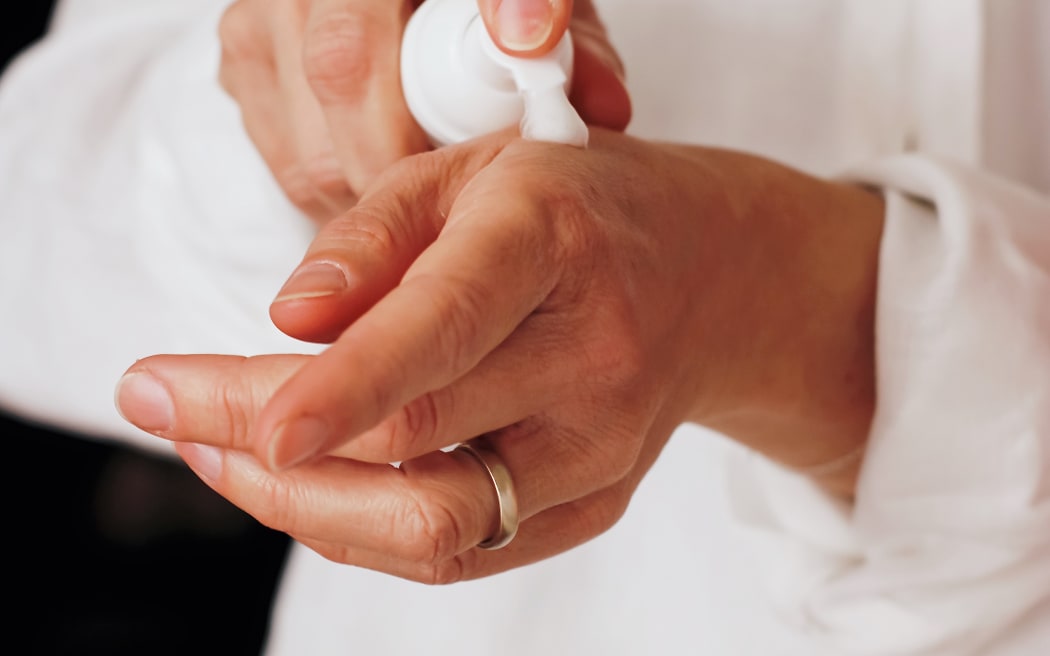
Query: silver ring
[508, 500]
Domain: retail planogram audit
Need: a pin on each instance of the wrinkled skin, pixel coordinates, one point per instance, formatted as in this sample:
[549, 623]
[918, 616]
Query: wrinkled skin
[571, 306]
[319, 88]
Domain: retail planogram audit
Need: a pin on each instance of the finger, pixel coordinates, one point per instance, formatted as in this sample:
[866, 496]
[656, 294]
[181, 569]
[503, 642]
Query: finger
[422, 336]
[355, 260]
[358, 258]
[420, 515]
[210, 399]
[542, 534]
[316, 169]
[512, 383]
[419, 522]
[526, 28]
[269, 129]
[552, 532]
[460, 299]
[351, 60]
[248, 73]
[242, 39]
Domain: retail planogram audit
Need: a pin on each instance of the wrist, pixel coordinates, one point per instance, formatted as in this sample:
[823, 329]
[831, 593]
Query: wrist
[796, 375]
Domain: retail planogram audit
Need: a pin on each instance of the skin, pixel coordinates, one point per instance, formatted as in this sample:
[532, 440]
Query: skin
[571, 306]
[308, 74]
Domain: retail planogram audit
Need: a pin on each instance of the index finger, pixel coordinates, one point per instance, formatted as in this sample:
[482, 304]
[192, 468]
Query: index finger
[490, 267]
[351, 59]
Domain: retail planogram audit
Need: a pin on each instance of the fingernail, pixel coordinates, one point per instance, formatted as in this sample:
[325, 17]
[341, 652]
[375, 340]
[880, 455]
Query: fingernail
[204, 459]
[296, 441]
[313, 281]
[143, 401]
[524, 25]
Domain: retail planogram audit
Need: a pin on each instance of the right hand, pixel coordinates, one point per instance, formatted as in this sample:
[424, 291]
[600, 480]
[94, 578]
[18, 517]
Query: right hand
[319, 87]
[572, 306]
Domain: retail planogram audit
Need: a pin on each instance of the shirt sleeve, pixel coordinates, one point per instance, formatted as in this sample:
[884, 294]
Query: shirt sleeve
[136, 217]
[946, 550]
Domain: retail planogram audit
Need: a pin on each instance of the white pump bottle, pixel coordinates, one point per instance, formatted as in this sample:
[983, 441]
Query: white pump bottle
[459, 85]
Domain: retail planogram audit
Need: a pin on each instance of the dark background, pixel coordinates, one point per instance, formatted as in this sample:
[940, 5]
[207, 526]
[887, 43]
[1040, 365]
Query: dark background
[111, 551]
[21, 26]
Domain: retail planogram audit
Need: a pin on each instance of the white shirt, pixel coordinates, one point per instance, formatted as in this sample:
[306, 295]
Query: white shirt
[138, 219]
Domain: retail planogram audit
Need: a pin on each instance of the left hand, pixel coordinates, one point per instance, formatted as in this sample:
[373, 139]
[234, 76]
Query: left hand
[572, 306]
[318, 84]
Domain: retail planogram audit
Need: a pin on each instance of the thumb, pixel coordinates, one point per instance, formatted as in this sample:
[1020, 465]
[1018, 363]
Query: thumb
[529, 28]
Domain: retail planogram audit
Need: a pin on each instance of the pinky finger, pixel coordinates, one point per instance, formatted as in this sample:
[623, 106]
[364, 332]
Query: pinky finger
[548, 534]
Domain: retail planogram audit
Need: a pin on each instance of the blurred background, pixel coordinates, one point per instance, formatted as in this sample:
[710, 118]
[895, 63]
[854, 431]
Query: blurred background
[118, 552]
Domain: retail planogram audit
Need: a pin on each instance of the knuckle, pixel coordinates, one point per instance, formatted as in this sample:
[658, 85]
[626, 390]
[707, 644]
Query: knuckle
[238, 33]
[234, 411]
[417, 426]
[609, 509]
[446, 573]
[604, 465]
[615, 466]
[630, 361]
[325, 176]
[598, 514]
[297, 187]
[383, 396]
[621, 462]
[615, 355]
[434, 535]
[615, 352]
[366, 229]
[459, 305]
[306, 183]
[339, 56]
[277, 501]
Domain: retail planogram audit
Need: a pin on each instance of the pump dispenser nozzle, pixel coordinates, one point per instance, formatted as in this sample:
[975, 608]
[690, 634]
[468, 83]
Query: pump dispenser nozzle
[459, 85]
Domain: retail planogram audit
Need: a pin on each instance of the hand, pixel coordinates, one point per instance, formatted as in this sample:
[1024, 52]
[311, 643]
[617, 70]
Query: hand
[319, 86]
[572, 306]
